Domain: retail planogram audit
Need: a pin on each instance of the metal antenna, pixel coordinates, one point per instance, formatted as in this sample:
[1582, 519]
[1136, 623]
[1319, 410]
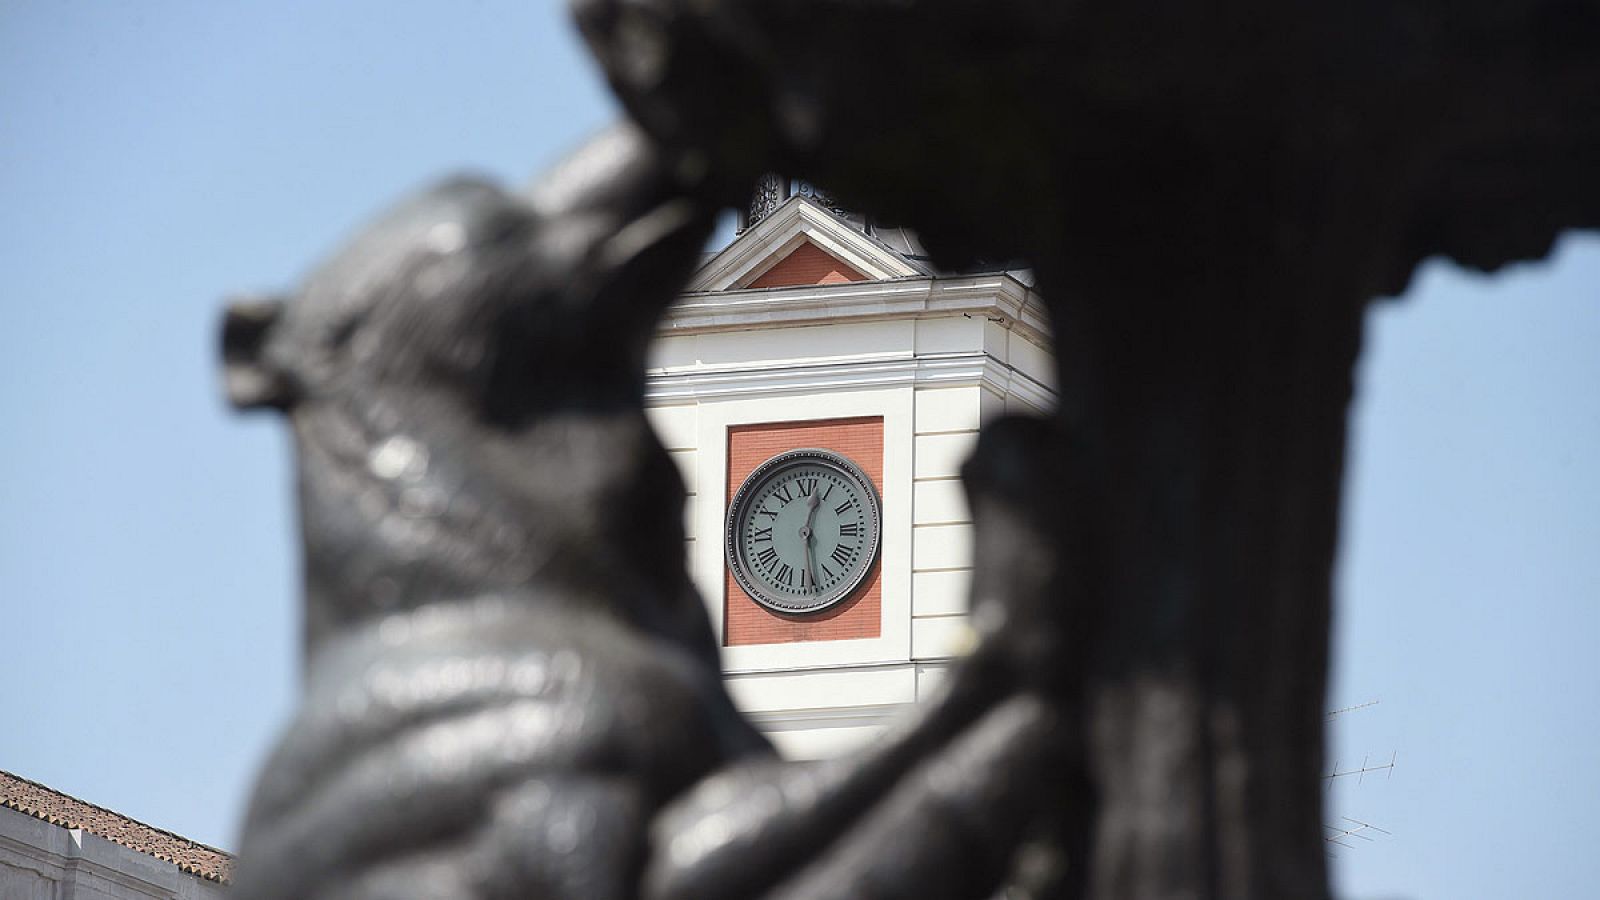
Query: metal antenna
[1361, 771]
[1339, 712]
[1355, 829]
[1350, 829]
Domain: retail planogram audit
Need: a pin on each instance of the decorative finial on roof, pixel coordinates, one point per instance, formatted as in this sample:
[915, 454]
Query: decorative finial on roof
[772, 191]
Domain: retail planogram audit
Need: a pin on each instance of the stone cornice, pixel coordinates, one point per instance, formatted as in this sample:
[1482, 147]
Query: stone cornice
[827, 717]
[665, 386]
[998, 297]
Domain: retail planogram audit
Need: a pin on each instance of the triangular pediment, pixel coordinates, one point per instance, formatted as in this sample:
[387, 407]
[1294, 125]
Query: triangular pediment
[800, 242]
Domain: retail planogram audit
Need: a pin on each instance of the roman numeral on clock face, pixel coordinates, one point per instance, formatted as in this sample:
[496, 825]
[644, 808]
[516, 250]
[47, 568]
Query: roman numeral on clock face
[841, 554]
[849, 529]
[767, 557]
[807, 486]
[762, 534]
[841, 508]
[786, 575]
[783, 490]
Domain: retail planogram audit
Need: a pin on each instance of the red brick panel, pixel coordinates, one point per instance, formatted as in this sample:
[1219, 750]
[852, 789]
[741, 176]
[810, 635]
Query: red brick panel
[807, 264]
[857, 616]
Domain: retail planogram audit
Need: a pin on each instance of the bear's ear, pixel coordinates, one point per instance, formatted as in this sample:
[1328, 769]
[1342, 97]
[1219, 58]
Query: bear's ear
[251, 381]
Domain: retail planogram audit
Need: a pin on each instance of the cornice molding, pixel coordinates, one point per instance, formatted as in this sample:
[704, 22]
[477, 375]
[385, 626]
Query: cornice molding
[829, 717]
[997, 297]
[666, 386]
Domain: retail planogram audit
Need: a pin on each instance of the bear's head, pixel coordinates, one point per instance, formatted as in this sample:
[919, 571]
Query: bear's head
[465, 385]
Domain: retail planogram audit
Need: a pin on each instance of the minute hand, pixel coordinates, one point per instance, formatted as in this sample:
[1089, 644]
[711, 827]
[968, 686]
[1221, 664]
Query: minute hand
[805, 536]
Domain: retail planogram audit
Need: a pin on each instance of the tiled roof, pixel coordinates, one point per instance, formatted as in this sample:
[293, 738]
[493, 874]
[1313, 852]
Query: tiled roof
[34, 799]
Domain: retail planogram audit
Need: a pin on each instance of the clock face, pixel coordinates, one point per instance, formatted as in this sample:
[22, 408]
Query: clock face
[803, 531]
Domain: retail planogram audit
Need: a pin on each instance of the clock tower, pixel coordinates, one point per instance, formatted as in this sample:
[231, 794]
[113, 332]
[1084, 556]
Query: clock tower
[819, 385]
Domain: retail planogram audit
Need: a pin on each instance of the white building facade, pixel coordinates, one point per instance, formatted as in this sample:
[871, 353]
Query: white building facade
[56, 847]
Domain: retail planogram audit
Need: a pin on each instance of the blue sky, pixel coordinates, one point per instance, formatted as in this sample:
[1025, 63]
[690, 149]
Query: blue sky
[157, 156]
